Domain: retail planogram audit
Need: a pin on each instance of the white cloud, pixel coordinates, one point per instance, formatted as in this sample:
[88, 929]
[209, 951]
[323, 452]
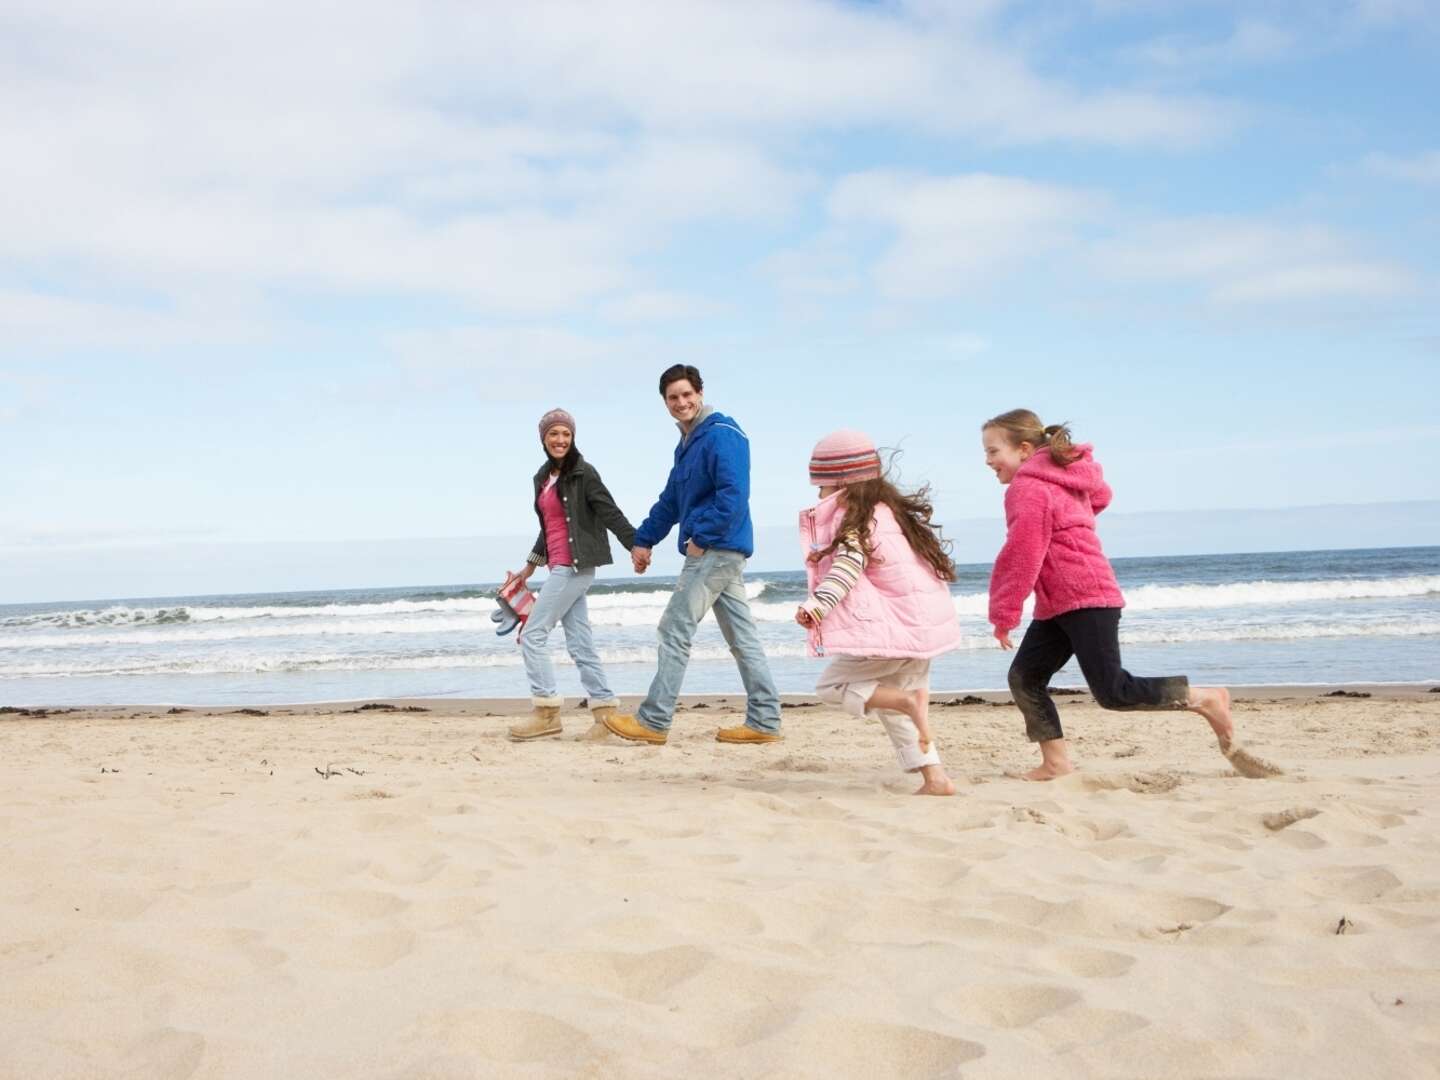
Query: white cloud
[952, 232]
[1237, 261]
[33, 318]
[1250, 41]
[519, 158]
[1419, 169]
[658, 305]
[499, 351]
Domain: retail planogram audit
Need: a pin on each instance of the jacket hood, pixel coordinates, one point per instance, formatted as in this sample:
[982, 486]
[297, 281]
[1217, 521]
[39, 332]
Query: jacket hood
[1082, 474]
[706, 411]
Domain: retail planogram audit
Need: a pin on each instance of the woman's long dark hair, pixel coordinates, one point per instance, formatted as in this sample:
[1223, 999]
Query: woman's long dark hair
[567, 463]
[912, 512]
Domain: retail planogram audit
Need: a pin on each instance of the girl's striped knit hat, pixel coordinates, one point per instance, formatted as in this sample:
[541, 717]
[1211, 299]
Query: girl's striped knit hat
[844, 457]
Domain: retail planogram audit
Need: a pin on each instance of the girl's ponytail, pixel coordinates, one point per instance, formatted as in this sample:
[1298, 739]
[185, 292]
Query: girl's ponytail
[1022, 425]
[1062, 449]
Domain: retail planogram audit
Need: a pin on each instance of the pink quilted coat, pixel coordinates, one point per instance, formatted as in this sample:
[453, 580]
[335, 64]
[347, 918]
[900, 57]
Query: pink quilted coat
[1051, 548]
[898, 608]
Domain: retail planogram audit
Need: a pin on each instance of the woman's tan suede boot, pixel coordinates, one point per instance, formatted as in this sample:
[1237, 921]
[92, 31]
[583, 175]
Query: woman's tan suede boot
[544, 721]
[598, 731]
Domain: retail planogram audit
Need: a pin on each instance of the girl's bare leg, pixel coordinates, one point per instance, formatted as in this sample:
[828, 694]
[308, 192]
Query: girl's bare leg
[913, 703]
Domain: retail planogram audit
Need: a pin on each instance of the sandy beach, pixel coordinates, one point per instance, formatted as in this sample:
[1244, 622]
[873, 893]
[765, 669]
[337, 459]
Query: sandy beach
[406, 894]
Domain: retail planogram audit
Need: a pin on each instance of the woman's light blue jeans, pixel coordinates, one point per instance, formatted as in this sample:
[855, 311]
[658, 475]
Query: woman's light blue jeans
[562, 600]
[714, 580]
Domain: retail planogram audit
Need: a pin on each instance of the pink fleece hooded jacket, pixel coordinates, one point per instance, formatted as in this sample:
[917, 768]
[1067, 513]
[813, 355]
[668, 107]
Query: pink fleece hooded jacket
[1051, 547]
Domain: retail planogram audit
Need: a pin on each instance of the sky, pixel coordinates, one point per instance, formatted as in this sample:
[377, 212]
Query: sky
[307, 274]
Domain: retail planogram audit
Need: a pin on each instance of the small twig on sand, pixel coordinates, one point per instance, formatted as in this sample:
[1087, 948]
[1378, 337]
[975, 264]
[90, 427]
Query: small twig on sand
[1343, 925]
[330, 771]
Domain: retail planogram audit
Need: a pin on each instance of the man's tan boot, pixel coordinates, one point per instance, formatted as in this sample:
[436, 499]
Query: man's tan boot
[598, 731]
[544, 721]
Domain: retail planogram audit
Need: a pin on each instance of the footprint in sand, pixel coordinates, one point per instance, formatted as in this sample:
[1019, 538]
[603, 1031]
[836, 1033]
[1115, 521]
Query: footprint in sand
[359, 903]
[1092, 963]
[512, 1036]
[854, 1046]
[1356, 884]
[362, 952]
[1005, 1006]
[646, 976]
[164, 1054]
[1141, 783]
[412, 870]
[790, 763]
[117, 905]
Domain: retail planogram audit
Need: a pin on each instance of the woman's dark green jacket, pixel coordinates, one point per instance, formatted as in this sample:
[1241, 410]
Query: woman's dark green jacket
[589, 511]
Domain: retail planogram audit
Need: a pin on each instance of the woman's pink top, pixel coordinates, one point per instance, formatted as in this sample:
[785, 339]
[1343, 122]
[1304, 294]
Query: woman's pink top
[557, 529]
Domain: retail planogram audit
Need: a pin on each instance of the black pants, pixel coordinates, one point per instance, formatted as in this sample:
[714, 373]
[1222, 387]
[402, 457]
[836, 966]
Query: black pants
[1092, 635]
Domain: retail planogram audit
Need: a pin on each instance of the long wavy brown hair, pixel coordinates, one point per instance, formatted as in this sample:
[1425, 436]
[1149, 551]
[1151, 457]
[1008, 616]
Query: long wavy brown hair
[912, 511]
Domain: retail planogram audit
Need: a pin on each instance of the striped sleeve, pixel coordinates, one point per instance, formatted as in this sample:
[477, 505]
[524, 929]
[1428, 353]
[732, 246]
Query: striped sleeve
[844, 572]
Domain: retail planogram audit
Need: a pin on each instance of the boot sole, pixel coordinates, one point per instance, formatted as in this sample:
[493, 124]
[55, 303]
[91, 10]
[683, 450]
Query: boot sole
[636, 738]
[751, 742]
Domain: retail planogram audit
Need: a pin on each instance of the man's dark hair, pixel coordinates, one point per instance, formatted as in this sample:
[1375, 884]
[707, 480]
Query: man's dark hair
[681, 371]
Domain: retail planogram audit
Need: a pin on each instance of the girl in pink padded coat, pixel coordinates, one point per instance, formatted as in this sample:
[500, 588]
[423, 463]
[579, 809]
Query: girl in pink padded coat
[1054, 490]
[879, 606]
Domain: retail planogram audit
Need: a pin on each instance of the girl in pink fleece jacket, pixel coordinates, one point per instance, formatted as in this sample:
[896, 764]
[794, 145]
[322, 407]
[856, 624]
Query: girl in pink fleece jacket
[879, 575]
[1055, 489]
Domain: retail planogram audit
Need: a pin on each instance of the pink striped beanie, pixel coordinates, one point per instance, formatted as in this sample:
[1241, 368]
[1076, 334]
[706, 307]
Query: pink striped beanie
[844, 457]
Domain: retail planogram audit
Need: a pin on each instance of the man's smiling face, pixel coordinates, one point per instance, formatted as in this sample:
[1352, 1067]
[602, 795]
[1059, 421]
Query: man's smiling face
[683, 401]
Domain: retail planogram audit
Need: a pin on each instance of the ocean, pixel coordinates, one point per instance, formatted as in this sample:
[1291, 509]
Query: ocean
[1300, 617]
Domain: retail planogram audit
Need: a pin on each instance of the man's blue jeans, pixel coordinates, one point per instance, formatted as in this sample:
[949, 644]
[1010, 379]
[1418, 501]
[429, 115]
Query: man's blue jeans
[715, 581]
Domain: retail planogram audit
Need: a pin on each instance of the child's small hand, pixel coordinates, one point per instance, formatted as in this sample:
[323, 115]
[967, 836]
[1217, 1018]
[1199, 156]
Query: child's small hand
[804, 617]
[1003, 637]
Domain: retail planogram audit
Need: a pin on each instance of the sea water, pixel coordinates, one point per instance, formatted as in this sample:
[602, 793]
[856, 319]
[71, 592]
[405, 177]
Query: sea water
[1309, 617]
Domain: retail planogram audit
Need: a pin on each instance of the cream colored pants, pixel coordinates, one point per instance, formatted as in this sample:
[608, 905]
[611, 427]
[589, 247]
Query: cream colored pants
[851, 681]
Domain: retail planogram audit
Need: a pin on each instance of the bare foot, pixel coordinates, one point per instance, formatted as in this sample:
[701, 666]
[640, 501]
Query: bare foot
[921, 716]
[936, 782]
[1049, 771]
[1213, 703]
[929, 788]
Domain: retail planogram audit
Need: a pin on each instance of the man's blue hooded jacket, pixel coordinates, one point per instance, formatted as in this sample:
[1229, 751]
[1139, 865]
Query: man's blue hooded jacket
[708, 492]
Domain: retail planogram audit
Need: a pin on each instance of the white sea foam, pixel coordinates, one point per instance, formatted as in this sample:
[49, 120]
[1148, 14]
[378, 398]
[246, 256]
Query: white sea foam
[119, 615]
[238, 663]
[641, 607]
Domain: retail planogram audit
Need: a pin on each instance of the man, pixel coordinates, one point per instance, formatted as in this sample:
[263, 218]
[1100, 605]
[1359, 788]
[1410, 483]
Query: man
[708, 496]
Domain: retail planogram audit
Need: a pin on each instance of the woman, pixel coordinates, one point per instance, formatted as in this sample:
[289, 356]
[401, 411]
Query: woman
[575, 509]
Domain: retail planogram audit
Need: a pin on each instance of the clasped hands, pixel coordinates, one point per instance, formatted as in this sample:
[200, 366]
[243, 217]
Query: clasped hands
[640, 559]
[640, 556]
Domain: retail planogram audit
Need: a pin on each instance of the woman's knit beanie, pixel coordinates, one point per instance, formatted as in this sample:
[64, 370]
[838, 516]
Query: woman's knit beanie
[554, 417]
[844, 457]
